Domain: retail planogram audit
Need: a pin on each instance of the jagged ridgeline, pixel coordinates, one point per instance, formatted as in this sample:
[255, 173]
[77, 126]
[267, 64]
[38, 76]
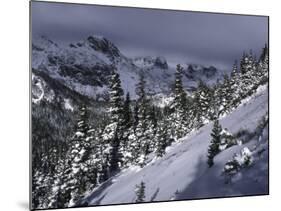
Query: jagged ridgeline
[96, 112]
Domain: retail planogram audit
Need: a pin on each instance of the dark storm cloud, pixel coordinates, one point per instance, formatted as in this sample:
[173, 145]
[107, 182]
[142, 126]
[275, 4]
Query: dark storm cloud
[213, 39]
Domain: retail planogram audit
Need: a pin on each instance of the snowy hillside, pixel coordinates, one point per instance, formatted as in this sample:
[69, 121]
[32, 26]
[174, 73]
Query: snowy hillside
[206, 143]
[183, 173]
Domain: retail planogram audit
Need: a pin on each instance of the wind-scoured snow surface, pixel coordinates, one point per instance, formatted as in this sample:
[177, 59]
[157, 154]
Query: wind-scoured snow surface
[183, 173]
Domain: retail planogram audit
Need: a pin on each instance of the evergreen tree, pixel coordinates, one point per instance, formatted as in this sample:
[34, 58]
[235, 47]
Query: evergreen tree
[248, 68]
[100, 157]
[216, 101]
[143, 129]
[60, 197]
[136, 117]
[235, 85]
[202, 103]
[264, 59]
[213, 149]
[225, 95]
[264, 54]
[114, 131]
[127, 128]
[260, 75]
[244, 63]
[114, 155]
[179, 118]
[103, 166]
[140, 192]
[74, 182]
[128, 116]
[115, 98]
[162, 139]
[153, 124]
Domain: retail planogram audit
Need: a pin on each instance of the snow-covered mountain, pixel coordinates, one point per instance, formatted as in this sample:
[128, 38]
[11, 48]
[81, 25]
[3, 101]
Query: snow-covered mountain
[85, 67]
[183, 173]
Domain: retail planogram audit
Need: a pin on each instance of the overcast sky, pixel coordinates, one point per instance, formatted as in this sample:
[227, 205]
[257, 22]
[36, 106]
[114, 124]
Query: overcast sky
[192, 37]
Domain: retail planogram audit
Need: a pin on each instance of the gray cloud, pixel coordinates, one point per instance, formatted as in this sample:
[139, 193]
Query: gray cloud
[212, 39]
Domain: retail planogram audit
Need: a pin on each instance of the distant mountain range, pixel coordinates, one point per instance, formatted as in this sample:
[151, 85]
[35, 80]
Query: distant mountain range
[84, 68]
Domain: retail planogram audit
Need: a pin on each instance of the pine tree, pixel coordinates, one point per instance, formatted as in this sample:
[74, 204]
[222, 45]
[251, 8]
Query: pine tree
[216, 101]
[103, 166]
[153, 124]
[127, 128]
[162, 139]
[213, 149]
[202, 103]
[136, 117]
[114, 131]
[127, 112]
[264, 54]
[248, 68]
[140, 192]
[74, 182]
[226, 95]
[60, 197]
[116, 98]
[235, 85]
[244, 63]
[179, 119]
[114, 155]
[143, 130]
[264, 60]
[100, 157]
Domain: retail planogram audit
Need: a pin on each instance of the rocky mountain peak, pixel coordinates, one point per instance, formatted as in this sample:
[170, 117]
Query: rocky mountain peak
[161, 62]
[100, 44]
[41, 43]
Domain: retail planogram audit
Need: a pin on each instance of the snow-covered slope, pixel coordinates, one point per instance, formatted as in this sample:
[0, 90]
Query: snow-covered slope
[183, 173]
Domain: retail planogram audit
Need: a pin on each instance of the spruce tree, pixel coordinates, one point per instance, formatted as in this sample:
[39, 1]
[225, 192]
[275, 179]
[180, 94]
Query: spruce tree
[127, 112]
[140, 192]
[226, 95]
[143, 130]
[216, 101]
[235, 85]
[248, 68]
[135, 117]
[244, 63]
[162, 139]
[213, 149]
[103, 166]
[74, 182]
[179, 119]
[128, 129]
[202, 102]
[114, 131]
[153, 124]
[260, 75]
[115, 98]
[264, 59]
[264, 54]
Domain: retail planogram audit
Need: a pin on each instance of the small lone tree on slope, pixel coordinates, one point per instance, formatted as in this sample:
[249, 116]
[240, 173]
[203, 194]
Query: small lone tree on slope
[140, 192]
[214, 149]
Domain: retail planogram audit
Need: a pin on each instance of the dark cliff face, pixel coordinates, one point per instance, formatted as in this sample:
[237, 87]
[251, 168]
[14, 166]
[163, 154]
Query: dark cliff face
[196, 71]
[161, 63]
[100, 44]
[96, 75]
[103, 45]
